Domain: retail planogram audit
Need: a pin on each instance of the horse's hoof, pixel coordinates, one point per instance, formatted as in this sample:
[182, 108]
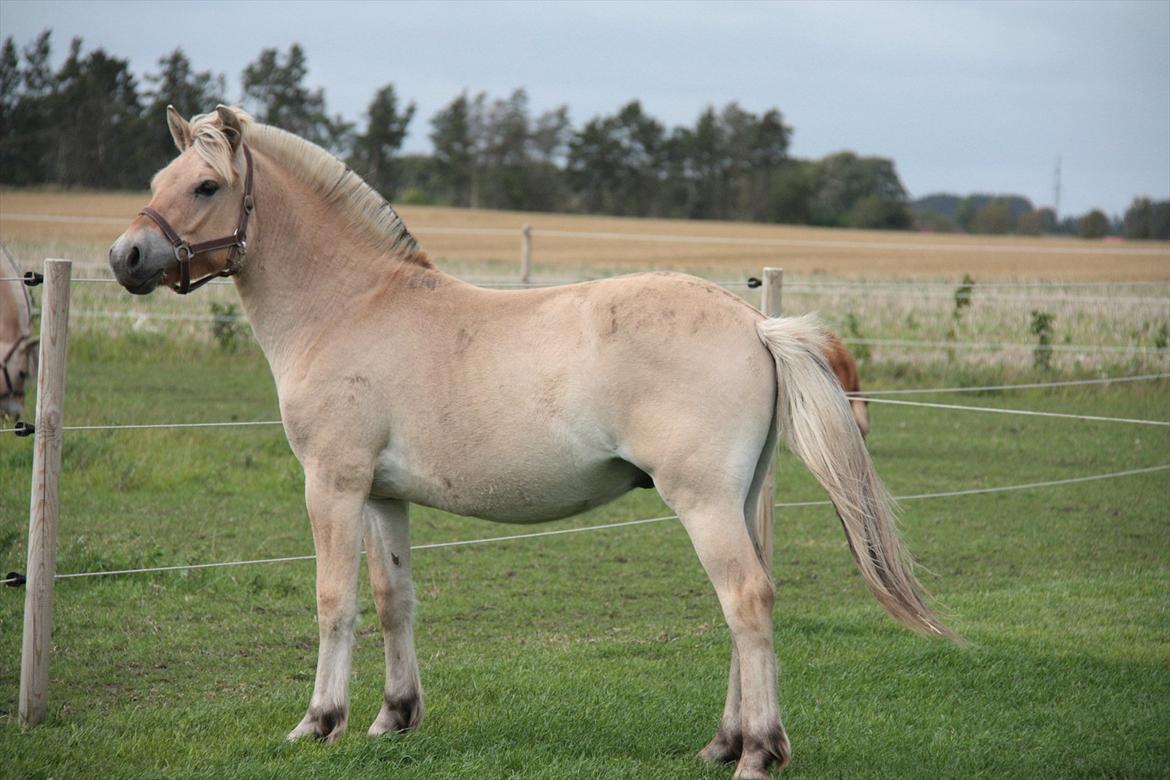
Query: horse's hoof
[326, 726]
[722, 749]
[760, 754]
[399, 714]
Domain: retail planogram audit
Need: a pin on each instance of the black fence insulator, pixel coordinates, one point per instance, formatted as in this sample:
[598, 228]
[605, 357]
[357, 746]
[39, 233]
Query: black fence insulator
[753, 282]
[14, 579]
[24, 428]
[32, 278]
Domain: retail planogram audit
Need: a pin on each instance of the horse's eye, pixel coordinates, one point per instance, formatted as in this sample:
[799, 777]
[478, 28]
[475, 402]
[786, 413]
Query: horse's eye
[207, 188]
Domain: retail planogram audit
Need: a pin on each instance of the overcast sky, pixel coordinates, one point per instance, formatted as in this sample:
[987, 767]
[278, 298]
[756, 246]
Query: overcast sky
[965, 97]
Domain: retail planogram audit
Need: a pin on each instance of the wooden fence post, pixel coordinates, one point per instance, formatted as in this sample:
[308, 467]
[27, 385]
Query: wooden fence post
[770, 306]
[43, 508]
[526, 255]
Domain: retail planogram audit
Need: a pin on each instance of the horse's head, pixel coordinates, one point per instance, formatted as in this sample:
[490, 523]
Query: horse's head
[195, 225]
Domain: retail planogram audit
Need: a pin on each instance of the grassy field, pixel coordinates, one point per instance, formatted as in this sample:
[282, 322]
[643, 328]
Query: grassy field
[604, 654]
[601, 654]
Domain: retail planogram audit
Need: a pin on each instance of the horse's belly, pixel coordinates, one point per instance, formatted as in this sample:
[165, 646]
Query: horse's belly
[511, 490]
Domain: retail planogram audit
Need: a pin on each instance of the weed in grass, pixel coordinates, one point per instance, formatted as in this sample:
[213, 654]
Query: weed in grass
[1042, 328]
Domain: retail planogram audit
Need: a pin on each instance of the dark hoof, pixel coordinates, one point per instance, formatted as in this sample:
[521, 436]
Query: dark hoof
[761, 754]
[723, 749]
[327, 726]
[398, 714]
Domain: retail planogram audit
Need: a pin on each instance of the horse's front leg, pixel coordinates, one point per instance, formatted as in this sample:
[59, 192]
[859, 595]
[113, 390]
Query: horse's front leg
[335, 501]
[388, 556]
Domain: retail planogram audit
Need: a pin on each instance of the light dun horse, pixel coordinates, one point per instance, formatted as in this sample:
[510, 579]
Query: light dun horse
[400, 384]
[18, 350]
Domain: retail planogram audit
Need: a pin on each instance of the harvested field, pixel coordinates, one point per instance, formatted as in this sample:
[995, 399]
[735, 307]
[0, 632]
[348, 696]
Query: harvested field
[804, 251]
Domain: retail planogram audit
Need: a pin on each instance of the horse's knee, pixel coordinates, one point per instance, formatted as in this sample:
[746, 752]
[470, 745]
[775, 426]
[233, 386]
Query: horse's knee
[395, 604]
[754, 603]
[336, 608]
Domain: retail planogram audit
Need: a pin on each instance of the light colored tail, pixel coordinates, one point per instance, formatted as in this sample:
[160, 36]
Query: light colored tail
[819, 428]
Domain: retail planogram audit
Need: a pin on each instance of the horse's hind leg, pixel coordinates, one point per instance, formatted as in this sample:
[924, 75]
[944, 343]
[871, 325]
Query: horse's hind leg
[335, 510]
[721, 539]
[727, 744]
[388, 555]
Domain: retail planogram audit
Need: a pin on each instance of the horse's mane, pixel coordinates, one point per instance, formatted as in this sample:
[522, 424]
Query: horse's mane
[367, 212]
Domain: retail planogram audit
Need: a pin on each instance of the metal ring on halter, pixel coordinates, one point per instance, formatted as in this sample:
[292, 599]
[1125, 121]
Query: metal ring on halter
[183, 248]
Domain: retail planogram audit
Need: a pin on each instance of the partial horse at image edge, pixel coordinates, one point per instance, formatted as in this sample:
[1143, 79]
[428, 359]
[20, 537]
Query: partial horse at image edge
[18, 349]
[845, 368]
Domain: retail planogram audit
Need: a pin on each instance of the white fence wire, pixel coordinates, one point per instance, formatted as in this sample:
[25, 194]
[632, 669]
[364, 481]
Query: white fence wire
[607, 526]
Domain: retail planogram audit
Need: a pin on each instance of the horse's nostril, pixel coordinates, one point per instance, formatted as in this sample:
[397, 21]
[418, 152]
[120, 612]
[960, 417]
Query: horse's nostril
[133, 257]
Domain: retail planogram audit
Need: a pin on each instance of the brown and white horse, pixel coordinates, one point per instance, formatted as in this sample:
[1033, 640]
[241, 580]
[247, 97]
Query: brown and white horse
[18, 350]
[845, 368]
[399, 383]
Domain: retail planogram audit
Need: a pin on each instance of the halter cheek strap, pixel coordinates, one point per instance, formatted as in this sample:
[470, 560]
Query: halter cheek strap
[236, 243]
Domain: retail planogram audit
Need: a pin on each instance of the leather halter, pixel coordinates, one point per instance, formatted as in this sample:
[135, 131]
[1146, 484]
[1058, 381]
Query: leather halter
[236, 243]
[10, 390]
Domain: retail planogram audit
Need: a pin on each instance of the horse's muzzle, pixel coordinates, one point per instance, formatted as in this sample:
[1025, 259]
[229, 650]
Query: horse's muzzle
[138, 264]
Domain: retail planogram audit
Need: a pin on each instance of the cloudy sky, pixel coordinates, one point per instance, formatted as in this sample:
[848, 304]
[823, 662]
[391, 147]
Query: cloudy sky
[965, 97]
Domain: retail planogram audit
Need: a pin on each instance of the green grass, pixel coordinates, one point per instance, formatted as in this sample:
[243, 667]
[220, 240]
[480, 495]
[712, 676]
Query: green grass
[601, 654]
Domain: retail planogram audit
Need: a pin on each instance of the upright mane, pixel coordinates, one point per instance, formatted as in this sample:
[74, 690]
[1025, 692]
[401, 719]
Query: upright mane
[367, 211]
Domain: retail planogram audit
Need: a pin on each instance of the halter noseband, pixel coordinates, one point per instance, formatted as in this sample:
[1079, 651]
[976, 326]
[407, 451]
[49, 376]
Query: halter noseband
[237, 242]
[10, 390]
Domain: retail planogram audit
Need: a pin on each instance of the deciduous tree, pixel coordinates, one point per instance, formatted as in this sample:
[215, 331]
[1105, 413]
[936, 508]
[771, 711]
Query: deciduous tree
[375, 150]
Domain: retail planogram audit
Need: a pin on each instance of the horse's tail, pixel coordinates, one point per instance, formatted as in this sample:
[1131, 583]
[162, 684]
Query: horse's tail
[815, 418]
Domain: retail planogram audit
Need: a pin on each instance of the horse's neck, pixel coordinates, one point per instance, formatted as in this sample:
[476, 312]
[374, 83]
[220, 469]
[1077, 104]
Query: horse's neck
[305, 268]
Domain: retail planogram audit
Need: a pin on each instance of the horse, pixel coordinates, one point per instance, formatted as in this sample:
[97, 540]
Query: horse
[18, 350]
[401, 384]
[842, 364]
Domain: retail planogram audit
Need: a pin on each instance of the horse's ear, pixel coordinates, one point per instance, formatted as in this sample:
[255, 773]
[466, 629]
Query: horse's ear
[231, 126]
[180, 129]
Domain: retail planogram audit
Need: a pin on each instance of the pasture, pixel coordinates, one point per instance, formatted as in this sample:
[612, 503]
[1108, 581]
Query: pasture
[604, 654]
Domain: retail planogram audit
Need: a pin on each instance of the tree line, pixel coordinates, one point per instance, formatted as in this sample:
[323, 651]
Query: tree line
[1003, 214]
[92, 123]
